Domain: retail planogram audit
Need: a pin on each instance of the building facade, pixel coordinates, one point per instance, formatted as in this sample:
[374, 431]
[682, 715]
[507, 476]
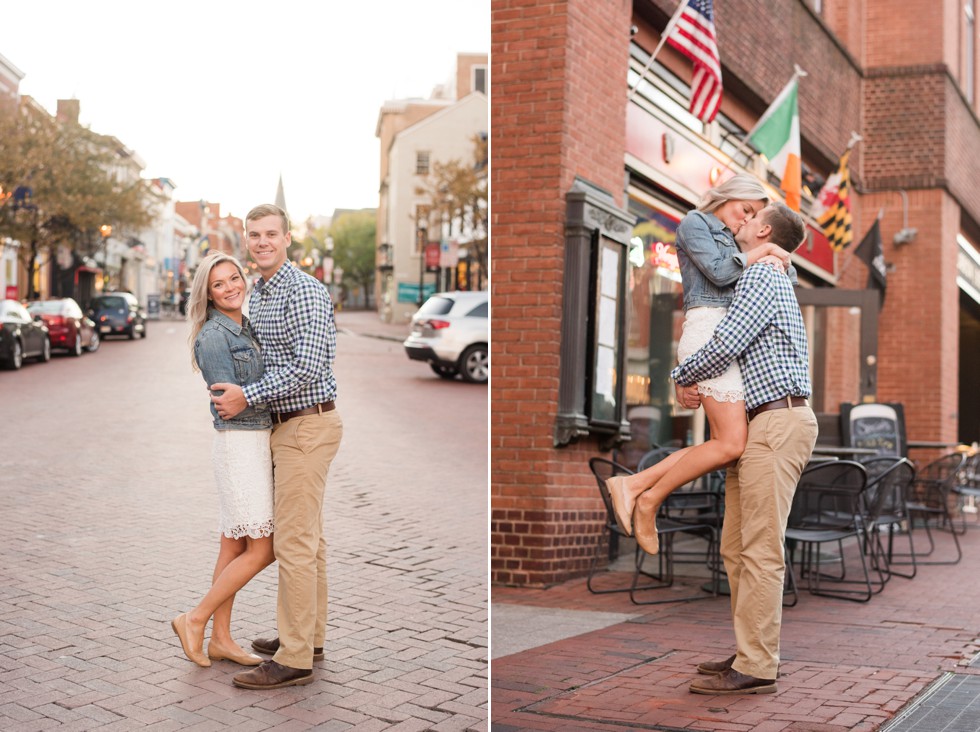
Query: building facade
[590, 181]
[416, 135]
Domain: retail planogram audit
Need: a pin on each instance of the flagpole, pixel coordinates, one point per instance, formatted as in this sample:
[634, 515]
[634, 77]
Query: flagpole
[663, 39]
[797, 74]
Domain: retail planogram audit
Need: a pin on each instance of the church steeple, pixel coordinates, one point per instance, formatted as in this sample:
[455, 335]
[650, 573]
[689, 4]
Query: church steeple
[281, 196]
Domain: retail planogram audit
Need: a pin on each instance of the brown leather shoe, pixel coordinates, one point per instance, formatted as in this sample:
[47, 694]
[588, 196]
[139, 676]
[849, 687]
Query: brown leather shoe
[272, 675]
[716, 667]
[269, 646]
[731, 682]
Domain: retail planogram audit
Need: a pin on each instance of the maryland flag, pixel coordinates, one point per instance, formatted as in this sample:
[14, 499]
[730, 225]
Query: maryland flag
[832, 207]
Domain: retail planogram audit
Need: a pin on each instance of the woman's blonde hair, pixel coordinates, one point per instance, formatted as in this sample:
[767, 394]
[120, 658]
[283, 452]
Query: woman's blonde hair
[741, 187]
[198, 302]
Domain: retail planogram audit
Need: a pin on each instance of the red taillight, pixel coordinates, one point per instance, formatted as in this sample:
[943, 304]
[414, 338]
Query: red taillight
[130, 318]
[435, 324]
[57, 320]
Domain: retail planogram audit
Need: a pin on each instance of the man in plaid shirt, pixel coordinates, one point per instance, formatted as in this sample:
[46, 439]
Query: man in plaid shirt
[293, 319]
[763, 329]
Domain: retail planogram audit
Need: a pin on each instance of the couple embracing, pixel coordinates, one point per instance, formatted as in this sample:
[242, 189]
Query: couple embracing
[277, 430]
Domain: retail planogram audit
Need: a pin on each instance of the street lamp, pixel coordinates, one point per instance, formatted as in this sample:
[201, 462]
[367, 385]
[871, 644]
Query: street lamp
[106, 232]
[420, 237]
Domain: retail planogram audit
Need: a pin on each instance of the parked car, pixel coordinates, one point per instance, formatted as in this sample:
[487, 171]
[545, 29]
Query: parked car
[21, 336]
[450, 332]
[68, 326]
[118, 313]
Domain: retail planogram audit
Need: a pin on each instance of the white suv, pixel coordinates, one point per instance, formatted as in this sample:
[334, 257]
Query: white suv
[450, 332]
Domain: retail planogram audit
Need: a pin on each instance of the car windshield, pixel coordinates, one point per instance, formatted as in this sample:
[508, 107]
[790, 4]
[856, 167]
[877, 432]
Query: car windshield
[109, 302]
[436, 306]
[48, 307]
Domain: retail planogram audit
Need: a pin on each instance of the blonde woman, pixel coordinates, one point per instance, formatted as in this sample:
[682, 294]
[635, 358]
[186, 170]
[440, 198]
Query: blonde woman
[711, 264]
[224, 350]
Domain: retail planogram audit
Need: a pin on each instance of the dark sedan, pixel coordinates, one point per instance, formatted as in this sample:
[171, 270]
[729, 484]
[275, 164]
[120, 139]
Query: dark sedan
[68, 326]
[21, 336]
[118, 313]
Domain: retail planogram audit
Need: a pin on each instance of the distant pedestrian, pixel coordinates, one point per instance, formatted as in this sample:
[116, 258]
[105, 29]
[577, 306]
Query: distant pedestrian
[763, 330]
[224, 349]
[293, 317]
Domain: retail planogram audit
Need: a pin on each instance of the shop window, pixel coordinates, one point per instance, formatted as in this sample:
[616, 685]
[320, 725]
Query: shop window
[656, 318]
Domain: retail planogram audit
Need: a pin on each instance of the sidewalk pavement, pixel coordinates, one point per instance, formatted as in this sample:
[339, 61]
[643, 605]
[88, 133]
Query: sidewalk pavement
[369, 323]
[566, 659]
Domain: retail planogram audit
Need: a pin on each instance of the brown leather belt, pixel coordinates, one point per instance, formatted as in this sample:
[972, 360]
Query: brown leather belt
[784, 403]
[280, 417]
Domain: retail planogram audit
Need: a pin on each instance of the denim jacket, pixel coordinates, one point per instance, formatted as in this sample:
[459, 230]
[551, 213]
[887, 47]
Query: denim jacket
[227, 352]
[710, 261]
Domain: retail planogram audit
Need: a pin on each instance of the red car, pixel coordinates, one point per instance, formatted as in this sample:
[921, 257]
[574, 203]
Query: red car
[68, 327]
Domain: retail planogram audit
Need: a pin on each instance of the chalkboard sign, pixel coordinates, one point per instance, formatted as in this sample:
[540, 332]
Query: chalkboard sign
[878, 427]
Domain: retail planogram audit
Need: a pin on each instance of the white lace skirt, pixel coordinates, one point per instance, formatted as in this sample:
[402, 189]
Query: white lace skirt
[699, 325]
[243, 474]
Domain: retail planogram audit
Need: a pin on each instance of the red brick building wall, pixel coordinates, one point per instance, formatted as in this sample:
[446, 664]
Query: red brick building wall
[561, 67]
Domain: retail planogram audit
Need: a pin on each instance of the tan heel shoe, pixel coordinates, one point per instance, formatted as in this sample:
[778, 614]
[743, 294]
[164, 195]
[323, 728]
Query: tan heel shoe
[242, 658]
[646, 531]
[622, 501]
[179, 624]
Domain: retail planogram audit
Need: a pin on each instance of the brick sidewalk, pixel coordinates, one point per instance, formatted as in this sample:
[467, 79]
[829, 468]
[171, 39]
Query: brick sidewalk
[845, 666]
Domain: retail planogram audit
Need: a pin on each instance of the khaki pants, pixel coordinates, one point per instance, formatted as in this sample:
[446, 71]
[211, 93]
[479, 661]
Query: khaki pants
[758, 495]
[302, 450]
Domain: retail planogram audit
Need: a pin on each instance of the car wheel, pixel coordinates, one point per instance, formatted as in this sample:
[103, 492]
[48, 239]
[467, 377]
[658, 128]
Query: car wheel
[76, 350]
[93, 345]
[45, 351]
[446, 372]
[474, 364]
[143, 333]
[16, 357]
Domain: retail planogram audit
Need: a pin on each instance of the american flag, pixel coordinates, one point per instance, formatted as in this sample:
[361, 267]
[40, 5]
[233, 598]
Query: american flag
[694, 36]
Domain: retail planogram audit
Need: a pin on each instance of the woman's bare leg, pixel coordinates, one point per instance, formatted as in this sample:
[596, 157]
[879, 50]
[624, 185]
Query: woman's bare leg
[236, 574]
[221, 621]
[729, 432]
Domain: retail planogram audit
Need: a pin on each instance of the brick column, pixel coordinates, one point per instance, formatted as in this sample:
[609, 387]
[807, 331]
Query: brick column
[562, 69]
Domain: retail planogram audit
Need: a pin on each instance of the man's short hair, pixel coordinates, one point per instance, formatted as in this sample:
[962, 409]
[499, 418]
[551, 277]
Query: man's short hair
[788, 230]
[268, 209]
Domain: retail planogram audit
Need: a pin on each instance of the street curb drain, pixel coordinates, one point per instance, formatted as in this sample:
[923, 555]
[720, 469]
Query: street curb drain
[950, 704]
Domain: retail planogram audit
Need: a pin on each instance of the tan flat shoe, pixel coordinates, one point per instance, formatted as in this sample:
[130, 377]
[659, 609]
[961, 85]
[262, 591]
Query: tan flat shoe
[179, 624]
[622, 501]
[242, 658]
[646, 531]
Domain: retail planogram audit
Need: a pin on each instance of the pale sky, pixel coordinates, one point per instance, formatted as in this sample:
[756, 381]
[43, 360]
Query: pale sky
[223, 96]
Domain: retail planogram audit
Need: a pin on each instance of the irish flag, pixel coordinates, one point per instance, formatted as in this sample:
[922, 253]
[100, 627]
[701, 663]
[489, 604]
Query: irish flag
[777, 135]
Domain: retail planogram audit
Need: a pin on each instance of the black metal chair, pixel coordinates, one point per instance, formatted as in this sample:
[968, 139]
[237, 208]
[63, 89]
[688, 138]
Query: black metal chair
[827, 509]
[886, 498]
[930, 496]
[661, 578]
[967, 485]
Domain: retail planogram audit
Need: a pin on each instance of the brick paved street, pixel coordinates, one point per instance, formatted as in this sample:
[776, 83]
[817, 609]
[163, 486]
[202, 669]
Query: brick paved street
[109, 517]
[845, 666]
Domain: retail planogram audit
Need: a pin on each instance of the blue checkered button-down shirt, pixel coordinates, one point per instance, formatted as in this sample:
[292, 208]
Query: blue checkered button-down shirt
[764, 330]
[292, 317]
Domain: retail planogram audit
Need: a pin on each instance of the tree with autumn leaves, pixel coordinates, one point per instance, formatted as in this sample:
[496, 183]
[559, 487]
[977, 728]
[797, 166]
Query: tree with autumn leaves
[457, 192]
[59, 183]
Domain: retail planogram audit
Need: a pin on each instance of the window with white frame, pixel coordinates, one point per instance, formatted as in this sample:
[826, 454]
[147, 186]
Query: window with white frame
[422, 162]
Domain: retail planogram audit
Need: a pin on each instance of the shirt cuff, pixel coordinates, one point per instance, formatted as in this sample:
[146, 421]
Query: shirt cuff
[249, 392]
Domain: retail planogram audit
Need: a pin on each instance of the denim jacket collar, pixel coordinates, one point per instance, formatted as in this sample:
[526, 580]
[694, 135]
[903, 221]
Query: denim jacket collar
[713, 222]
[225, 322]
